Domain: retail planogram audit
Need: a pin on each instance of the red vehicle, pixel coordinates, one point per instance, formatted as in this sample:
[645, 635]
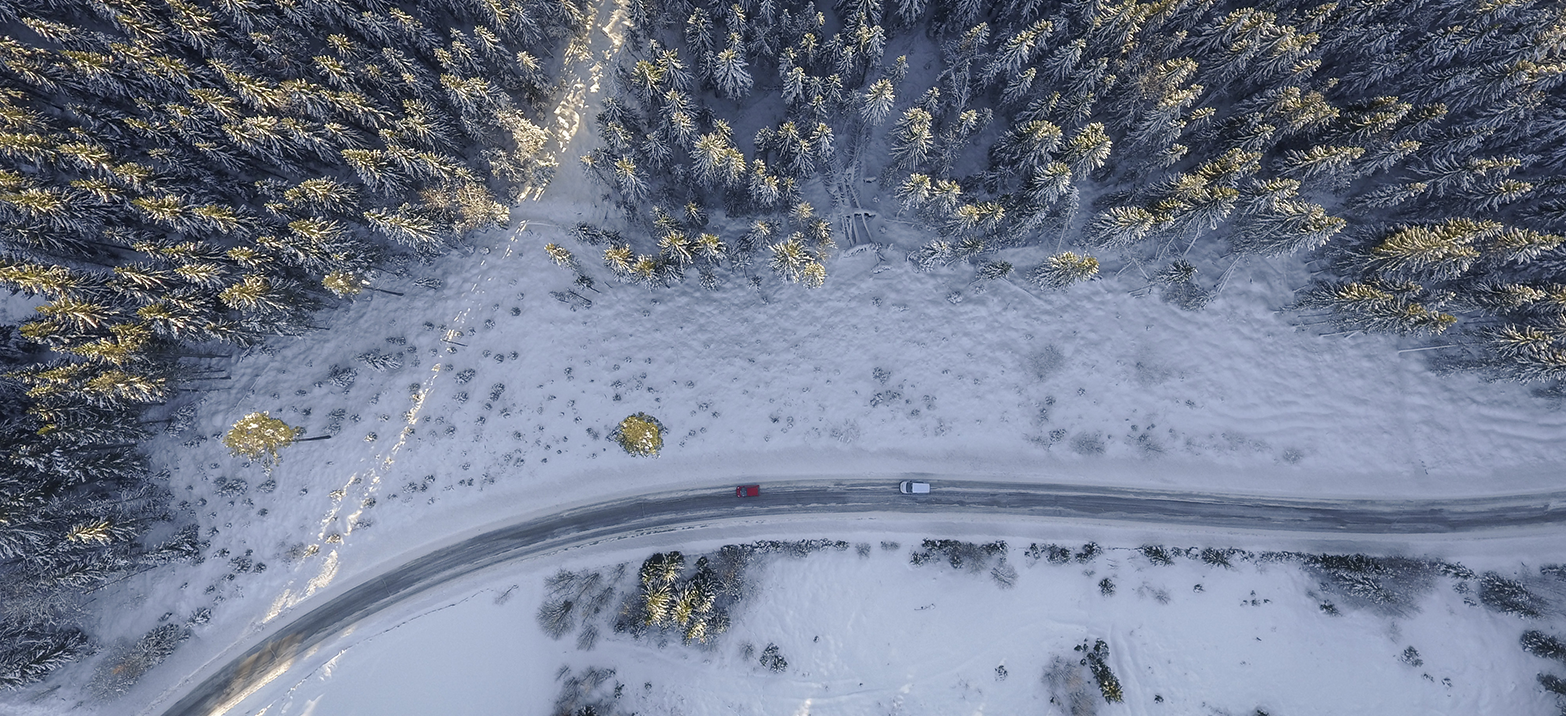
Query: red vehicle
[747, 490]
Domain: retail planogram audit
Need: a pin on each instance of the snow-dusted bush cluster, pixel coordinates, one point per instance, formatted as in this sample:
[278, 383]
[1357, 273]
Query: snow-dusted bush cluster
[125, 665]
[694, 605]
[1056, 554]
[1095, 657]
[772, 658]
[968, 556]
[574, 596]
[670, 596]
[587, 693]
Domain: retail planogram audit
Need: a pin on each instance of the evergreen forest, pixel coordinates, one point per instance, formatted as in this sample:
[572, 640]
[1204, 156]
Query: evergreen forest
[183, 179]
[1407, 148]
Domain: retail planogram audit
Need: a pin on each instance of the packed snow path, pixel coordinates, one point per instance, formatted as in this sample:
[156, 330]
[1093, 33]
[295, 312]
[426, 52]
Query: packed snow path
[587, 524]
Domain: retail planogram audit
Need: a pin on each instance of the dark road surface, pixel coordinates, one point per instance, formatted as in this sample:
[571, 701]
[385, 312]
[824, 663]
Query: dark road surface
[660, 511]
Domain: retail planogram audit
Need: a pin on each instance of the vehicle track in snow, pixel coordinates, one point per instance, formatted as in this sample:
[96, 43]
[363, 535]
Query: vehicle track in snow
[270, 654]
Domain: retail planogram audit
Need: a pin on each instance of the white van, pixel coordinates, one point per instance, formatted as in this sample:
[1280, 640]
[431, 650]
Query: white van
[909, 487]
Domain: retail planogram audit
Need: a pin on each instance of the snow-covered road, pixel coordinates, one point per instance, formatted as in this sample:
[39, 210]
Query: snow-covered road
[271, 655]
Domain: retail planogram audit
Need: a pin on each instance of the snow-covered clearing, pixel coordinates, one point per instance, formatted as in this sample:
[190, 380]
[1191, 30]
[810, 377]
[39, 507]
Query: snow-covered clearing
[863, 631]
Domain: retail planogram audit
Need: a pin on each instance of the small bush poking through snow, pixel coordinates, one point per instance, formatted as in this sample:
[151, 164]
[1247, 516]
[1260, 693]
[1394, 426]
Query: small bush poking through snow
[1217, 557]
[640, 434]
[960, 555]
[342, 377]
[1069, 688]
[570, 595]
[125, 666]
[587, 693]
[1096, 659]
[1063, 269]
[381, 362]
[773, 659]
[1156, 554]
[1004, 574]
[1391, 585]
[1054, 553]
[1509, 597]
[1543, 645]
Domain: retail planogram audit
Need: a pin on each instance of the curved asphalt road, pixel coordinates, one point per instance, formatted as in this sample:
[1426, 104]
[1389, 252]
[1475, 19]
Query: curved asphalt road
[666, 510]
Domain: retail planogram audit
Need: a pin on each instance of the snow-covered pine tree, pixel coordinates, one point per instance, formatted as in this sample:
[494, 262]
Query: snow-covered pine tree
[1064, 269]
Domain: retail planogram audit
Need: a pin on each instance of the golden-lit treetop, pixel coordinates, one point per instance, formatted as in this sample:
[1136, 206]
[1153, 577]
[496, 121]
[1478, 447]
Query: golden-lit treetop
[640, 434]
[259, 436]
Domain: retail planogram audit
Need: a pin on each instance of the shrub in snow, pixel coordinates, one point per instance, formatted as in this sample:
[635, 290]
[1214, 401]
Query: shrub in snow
[1217, 557]
[1543, 645]
[773, 659]
[1054, 553]
[230, 488]
[1064, 269]
[587, 693]
[380, 362]
[960, 555]
[993, 271]
[640, 434]
[1390, 585]
[125, 665]
[570, 596]
[1509, 596]
[1070, 687]
[1411, 657]
[1096, 659]
[587, 638]
[1553, 684]
[554, 616]
[1004, 574]
[259, 436]
[1157, 554]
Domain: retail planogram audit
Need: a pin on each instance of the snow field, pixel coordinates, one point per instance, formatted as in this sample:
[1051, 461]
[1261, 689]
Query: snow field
[875, 372]
[875, 634]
